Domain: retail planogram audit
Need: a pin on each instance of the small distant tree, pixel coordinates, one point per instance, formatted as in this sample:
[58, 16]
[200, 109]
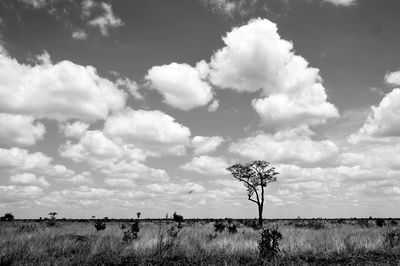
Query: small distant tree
[52, 215]
[138, 214]
[255, 177]
[8, 217]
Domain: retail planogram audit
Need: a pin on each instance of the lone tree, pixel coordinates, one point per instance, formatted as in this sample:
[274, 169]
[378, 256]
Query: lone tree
[255, 177]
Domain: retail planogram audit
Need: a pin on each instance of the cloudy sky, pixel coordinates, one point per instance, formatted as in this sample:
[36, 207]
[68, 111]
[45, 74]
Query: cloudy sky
[112, 107]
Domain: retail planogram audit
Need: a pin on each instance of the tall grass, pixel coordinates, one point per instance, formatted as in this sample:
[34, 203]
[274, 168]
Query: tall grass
[72, 243]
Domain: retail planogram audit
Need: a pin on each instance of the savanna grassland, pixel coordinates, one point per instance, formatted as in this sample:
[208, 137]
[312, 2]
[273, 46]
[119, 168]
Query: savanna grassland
[312, 242]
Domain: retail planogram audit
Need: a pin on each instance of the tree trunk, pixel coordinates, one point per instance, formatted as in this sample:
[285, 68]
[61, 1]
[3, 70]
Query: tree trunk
[260, 219]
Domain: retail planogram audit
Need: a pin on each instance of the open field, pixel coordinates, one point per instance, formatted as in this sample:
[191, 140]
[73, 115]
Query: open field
[312, 242]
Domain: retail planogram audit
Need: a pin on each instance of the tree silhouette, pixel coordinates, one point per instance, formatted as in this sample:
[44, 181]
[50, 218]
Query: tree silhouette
[138, 214]
[52, 215]
[255, 177]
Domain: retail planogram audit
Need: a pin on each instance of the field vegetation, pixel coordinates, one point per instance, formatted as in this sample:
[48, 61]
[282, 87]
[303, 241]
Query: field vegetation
[200, 242]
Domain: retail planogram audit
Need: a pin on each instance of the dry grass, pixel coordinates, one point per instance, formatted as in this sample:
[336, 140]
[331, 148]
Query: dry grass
[73, 243]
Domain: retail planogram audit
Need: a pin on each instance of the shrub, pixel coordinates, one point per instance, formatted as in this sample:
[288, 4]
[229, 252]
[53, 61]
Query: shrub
[132, 233]
[99, 225]
[166, 241]
[393, 222]
[123, 226]
[269, 243]
[380, 222]
[219, 227]
[232, 229]
[253, 223]
[392, 238]
[8, 217]
[177, 218]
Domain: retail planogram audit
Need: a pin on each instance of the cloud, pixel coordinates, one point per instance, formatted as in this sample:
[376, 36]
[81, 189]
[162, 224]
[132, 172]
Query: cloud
[20, 130]
[74, 130]
[37, 3]
[107, 20]
[291, 147]
[151, 131]
[207, 165]
[181, 85]
[393, 78]
[204, 145]
[213, 106]
[11, 194]
[120, 182]
[29, 179]
[382, 121]
[79, 35]
[230, 7]
[81, 179]
[17, 158]
[255, 58]
[129, 85]
[62, 91]
[344, 3]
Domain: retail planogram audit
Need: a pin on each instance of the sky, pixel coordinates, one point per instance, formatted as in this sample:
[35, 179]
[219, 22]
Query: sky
[112, 107]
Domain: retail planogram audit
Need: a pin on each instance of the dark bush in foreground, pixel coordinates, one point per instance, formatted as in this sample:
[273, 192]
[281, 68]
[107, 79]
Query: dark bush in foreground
[232, 228]
[132, 233]
[269, 243]
[392, 238]
[380, 222]
[219, 227]
[99, 225]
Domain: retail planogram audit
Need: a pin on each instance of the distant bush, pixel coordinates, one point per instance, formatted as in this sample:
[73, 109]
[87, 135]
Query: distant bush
[393, 222]
[269, 243]
[219, 227]
[100, 225]
[314, 224]
[253, 223]
[8, 217]
[380, 222]
[232, 228]
[177, 218]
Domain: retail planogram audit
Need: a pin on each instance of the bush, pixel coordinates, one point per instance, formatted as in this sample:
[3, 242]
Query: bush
[392, 238]
[99, 225]
[177, 218]
[132, 233]
[253, 223]
[393, 222]
[380, 222]
[232, 229]
[219, 227]
[269, 243]
[8, 217]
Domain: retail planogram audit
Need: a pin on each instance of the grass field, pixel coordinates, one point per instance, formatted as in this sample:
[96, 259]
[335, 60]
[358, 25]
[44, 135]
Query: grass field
[313, 242]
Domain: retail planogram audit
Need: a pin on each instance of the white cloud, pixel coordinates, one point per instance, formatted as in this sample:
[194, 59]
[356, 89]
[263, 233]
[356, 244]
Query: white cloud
[83, 178]
[79, 35]
[10, 194]
[230, 7]
[256, 58]
[151, 131]
[130, 85]
[342, 2]
[17, 158]
[181, 85]
[207, 165]
[20, 130]
[120, 182]
[62, 91]
[383, 120]
[29, 179]
[393, 78]
[107, 20]
[37, 3]
[74, 130]
[204, 145]
[213, 106]
[286, 147]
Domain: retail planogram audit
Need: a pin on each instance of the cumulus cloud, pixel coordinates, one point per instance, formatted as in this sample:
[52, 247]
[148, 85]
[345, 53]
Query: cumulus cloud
[62, 91]
[393, 78]
[17, 158]
[29, 179]
[81, 179]
[107, 20]
[152, 131]
[120, 182]
[382, 121]
[207, 165]
[230, 7]
[255, 58]
[11, 194]
[204, 145]
[345, 3]
[79, 35]
[130, 86]
[293, 147]
[74, 130]
[181, 85]
[20, 130]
